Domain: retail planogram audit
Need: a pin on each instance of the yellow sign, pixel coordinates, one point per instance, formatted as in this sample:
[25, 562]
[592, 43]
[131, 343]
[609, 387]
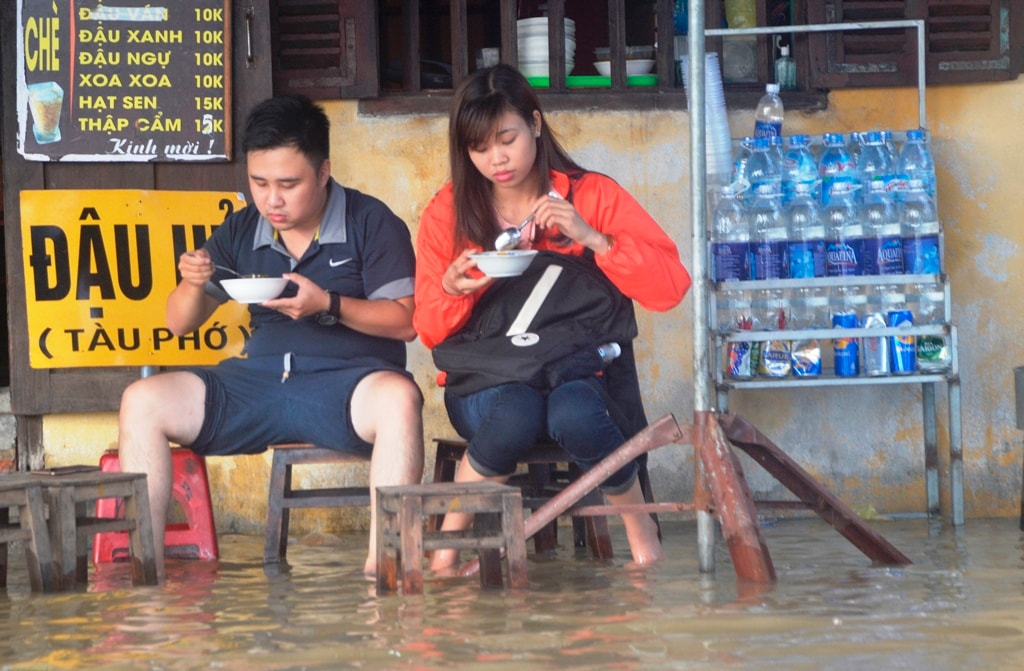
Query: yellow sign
[99, 265]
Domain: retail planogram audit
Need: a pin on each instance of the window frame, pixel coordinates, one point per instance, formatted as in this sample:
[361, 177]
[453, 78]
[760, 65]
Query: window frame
[355, 72]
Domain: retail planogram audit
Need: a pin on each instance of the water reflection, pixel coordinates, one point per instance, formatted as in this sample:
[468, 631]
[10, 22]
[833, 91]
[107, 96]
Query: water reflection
[960, 605]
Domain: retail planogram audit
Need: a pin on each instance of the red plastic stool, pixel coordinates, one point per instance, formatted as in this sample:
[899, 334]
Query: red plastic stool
[194, 539]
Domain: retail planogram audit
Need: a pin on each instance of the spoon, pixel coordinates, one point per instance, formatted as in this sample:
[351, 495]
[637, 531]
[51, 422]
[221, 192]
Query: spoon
[510, 237]
[227, 270]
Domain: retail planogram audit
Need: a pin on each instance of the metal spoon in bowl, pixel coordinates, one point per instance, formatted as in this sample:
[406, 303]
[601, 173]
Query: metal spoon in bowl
[227, 270]
[510, 237]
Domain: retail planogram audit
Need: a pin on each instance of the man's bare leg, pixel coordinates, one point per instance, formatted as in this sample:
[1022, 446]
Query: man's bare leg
[641, 530]
[387, 411]
[156, 411]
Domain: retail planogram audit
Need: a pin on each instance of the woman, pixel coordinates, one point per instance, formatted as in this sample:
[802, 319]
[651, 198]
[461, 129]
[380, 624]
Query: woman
[506, 165]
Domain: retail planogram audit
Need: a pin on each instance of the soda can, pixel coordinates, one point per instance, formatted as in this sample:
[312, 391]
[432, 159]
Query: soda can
[845, 350]
[742, 363]
[903, 347]
[876, 350]
[806, 355]
[775, 359]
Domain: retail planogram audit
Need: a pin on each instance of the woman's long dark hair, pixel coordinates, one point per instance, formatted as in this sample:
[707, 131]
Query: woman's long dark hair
[478, 105]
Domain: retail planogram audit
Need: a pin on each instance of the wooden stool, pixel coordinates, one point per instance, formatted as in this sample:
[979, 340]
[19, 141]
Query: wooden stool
[25, 493]
[401, 540]
[71, 524]
[550, 469]
[283, 497]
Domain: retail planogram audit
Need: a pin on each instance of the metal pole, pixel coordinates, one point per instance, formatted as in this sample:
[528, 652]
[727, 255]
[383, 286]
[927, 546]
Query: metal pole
[702, 399]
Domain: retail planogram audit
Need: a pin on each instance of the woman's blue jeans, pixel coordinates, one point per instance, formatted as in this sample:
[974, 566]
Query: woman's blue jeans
[502, 423]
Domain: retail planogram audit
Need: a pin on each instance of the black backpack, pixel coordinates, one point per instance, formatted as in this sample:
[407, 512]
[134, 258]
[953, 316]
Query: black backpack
[556, 335]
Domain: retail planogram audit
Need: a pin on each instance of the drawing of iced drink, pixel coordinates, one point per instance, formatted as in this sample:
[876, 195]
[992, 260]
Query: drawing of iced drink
[45, 100]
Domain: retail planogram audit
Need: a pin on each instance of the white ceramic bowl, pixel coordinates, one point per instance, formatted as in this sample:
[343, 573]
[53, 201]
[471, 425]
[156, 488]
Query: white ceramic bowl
[633, 67]
[254, 289]
[539, 25]
[504, 264]
[541, 68]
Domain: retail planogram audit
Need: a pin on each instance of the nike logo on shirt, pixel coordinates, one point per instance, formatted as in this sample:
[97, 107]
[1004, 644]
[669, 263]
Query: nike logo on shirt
[335, 264]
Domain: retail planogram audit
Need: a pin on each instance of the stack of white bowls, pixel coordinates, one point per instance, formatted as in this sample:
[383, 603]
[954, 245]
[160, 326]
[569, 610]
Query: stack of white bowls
[718, 143]
[533, 46]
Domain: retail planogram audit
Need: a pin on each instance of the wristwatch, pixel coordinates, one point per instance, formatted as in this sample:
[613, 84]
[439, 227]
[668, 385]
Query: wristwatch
[333, 314]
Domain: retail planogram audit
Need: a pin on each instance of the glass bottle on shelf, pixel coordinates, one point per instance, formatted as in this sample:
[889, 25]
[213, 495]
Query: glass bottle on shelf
[933, 351]
[785, 69]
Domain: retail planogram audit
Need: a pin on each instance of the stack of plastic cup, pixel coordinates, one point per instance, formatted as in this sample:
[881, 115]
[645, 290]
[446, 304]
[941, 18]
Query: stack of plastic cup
[718, 143]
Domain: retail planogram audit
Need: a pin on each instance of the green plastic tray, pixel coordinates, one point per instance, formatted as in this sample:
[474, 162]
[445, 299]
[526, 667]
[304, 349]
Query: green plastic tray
[593, 81]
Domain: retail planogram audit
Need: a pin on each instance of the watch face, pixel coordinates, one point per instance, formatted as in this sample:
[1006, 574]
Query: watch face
[326, 319]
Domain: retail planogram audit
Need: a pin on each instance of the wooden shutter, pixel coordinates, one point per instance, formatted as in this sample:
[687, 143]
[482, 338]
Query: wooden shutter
[966, 41]
[325, 49]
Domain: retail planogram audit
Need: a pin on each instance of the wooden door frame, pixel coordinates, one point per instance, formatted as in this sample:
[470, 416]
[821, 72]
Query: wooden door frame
[38, 392]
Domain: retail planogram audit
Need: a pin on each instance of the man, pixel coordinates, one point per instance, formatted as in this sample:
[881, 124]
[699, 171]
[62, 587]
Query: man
[326, 361]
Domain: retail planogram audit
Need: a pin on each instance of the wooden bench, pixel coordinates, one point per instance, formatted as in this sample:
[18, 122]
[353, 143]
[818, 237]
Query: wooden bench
[402, 541]
[549, 470]
[71, 499]
[25, 493]
[283, 496]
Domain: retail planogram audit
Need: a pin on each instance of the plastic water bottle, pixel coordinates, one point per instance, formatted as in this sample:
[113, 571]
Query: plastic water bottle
[916, 163]
[835, 167]
[609, 352]
[769, 114]
[799, 167]
[739, 163]
[844, 232]
[768, 234]
[730, 237]
[806, 232]
[919, 224]
[883, 236]
[776, 150]
[763, 169]
[874, 164]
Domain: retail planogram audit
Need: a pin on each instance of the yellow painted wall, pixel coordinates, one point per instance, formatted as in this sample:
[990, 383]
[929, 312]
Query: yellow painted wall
[864, 442]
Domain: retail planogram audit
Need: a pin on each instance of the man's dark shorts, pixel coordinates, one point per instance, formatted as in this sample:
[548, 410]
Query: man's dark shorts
[248, 407]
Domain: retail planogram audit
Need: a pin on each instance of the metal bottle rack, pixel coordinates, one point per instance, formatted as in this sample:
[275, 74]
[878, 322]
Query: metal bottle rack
[710, 343]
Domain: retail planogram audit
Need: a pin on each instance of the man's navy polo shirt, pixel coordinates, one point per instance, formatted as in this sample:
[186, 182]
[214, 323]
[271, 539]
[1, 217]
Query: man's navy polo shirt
[363, 250]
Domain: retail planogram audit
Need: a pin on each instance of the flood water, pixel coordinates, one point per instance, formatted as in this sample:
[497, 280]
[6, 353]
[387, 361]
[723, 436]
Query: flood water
[959, 606]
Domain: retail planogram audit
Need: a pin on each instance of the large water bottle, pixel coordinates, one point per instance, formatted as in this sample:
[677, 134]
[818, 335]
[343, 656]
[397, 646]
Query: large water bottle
[730, 237]
[836, 168]
[806, 231]
[916, 163]
[919, 223]
[844, 232]
[739, 162]
[874, 163]
[770, 112]
[763, 169]
[768, 234]
[799, 167]
[883, 236]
